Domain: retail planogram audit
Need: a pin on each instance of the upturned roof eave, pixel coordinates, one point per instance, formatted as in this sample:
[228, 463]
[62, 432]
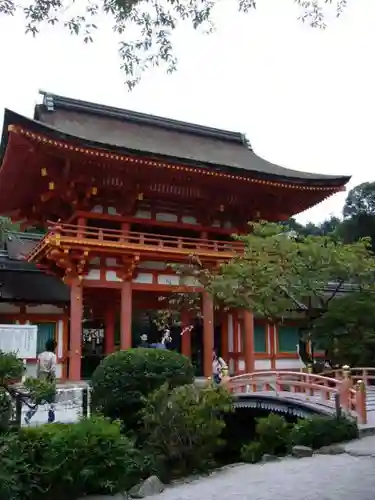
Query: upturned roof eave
[12, 118]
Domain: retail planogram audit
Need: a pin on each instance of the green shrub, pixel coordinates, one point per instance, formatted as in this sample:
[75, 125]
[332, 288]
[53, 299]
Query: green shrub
[11, 368]
[252, 452]
[272, 432]
[40, 391]
[5, 410]
[68, 461]
[124, 378]
[322, 431]
[271, 436]
[36, 391]
[183, 426]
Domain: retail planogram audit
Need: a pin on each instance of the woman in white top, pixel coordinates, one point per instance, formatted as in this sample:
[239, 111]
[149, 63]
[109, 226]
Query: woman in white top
[46, 370]
[218, 365]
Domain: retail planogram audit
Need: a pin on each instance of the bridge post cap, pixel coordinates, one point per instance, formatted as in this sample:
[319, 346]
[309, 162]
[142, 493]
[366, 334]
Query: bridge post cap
[346, 367]
[361, 385]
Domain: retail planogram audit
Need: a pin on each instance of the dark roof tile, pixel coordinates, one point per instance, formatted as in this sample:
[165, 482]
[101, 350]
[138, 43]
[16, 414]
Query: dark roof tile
[19, 245]
[109, 128]
[32, 287]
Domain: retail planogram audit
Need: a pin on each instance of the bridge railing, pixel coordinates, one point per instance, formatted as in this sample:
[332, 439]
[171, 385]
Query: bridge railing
[305, 386]
[367, 374]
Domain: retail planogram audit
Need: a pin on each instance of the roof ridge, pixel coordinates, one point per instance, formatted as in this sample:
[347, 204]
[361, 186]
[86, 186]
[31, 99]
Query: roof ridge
[54, 101]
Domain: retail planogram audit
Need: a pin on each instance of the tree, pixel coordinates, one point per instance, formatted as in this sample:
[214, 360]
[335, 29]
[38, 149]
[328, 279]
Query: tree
[347, 330]
[328, 226]
[279, 275]
[359, 214]
[154, 20]
[360, 200]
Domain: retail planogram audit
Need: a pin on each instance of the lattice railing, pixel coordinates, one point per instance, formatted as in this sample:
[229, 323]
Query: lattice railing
[70, 233]
[305, 386]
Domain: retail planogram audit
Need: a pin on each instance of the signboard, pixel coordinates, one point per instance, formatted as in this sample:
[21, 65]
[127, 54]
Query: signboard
[19, 339]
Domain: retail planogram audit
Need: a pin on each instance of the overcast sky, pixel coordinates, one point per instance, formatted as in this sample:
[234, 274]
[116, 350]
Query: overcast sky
[304, 98]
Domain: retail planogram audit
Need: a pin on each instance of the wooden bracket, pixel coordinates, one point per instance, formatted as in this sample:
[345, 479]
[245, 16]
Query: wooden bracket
[128, 267]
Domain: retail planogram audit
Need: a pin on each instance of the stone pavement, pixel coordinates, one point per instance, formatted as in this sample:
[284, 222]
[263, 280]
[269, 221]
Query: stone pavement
[321, 477]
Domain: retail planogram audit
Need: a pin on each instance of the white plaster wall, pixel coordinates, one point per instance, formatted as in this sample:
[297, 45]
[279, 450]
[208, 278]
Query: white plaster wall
[241, 365]
[289, 364]
[111, 276]
[143, 278]
[93, 274]
[230, 333]
[168, 279]
[60, 338]
[262, 364]
[166, 217]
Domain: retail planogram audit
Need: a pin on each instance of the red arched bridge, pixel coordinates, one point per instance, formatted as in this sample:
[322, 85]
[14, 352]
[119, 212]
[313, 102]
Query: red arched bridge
[351, 391]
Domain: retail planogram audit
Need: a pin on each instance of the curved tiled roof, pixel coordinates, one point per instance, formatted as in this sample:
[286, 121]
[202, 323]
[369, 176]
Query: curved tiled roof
[114, 128]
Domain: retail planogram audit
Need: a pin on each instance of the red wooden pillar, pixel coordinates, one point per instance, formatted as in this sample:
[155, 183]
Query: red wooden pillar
[186, 336]
[109, 330]
[76, 317]
[126, 315]
[248, 338]
[208, 333]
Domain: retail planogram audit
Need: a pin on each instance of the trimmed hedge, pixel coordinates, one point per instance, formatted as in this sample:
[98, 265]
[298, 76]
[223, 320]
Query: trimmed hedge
[125, 378]
[62, 461]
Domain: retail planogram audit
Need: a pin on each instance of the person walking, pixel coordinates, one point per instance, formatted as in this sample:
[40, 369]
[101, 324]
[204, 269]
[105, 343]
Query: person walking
[46, 370]
[218, 365]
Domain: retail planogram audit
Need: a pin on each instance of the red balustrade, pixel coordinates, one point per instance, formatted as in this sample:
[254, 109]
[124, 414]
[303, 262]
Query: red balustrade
[115, 238]
[366, 374]
[305, 387]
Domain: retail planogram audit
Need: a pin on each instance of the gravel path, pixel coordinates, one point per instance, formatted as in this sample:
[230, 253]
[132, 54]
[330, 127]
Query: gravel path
[322, 477]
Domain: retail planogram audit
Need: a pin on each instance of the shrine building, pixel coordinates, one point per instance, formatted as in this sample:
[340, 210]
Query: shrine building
[118, 197]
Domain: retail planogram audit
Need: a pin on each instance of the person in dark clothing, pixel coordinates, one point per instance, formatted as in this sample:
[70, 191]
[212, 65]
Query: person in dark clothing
[144, 341]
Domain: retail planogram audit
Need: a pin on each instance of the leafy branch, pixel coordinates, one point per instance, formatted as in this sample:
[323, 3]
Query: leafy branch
[145, 27]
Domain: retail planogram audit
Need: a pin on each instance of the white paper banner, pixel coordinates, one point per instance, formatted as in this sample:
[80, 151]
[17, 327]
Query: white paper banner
[19, 339]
